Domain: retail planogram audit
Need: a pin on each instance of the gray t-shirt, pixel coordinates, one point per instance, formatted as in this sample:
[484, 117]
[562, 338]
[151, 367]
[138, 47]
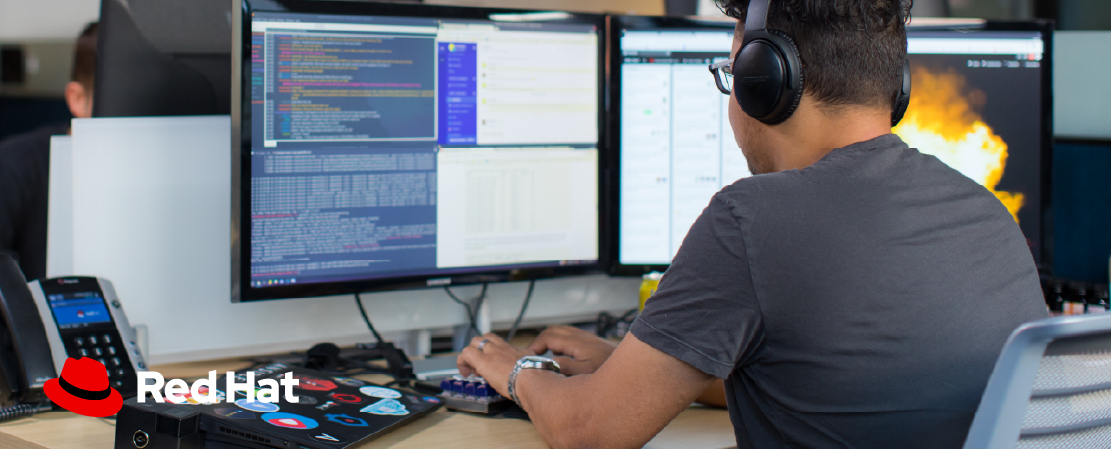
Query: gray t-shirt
[860, 302]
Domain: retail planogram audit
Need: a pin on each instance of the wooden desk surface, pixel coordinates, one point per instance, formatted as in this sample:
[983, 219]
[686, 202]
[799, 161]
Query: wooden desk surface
[697, 427]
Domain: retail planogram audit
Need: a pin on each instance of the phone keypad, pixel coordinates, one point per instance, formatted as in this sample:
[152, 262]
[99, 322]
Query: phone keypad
[105, 348]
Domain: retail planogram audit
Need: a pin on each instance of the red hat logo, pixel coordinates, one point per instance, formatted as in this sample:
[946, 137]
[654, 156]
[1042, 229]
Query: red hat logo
[83, 389]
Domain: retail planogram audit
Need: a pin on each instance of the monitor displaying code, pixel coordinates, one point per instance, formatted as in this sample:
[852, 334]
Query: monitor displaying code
[396, 146]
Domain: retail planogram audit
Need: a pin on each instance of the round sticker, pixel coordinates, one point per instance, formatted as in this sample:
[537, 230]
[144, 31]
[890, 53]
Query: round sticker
[379, 392]
[289, 420]
[313, 383]
[346, 398]
[257, 406]
[349, 381]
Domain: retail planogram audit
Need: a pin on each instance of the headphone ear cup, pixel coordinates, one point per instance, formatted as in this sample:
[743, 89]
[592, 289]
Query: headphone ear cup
[767, 77]
[902, 98]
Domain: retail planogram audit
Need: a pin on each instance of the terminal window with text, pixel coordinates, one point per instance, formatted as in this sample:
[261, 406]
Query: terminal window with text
[395, 146]
[678, 150]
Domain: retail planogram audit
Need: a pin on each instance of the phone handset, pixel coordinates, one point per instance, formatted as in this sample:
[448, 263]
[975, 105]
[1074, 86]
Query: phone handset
[25, 357]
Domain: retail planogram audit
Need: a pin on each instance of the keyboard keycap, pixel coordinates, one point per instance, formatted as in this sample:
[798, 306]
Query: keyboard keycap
[111, 350]
[107, 339]
[115, 361]
[83, 352]
[93, 340]
[79, 341]
[98, 352]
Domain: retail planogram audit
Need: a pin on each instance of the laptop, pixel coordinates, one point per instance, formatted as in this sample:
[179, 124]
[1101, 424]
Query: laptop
[331, 412]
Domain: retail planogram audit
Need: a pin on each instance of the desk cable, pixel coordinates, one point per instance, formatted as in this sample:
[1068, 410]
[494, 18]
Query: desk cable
[521, 314]
[472, 313]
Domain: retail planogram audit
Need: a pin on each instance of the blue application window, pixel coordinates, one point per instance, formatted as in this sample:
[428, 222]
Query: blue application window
[459, 101]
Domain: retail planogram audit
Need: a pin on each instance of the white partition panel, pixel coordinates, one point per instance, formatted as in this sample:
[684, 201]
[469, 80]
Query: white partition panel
[1081, 87]
[151, 212]
[59, 229]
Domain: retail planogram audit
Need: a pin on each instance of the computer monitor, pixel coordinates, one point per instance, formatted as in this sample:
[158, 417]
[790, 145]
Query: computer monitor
[386, 146]
[163, 58]
[981, 101]
[675, 148]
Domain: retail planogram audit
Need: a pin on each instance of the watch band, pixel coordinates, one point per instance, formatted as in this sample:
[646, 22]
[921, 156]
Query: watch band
[528, 362]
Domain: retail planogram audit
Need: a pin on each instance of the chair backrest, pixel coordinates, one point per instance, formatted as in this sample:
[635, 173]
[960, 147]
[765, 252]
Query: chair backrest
[1051, 388]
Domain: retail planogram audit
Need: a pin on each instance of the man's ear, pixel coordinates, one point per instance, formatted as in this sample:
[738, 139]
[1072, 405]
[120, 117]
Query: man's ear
[79, 100]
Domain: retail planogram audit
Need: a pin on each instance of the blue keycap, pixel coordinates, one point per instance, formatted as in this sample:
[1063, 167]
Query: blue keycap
[468, 389]
[445, 385]
[482, 391]
[457, 386]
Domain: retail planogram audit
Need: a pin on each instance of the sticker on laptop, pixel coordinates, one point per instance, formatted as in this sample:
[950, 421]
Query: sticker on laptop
[346, 420]
[290, 420]
[349, 381]
[379, 392]
[386, 407]
[257, 406]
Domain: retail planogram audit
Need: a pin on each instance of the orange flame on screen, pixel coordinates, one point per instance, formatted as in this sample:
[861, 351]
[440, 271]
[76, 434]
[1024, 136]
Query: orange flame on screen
[941, 120]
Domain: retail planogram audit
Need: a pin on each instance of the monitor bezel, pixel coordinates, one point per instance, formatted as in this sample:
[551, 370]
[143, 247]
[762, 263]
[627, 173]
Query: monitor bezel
[620, 23]
[241, 148]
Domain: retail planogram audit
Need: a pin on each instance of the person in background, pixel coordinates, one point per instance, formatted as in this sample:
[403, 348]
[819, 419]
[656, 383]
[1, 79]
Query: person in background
[25, 168]
[853, 293]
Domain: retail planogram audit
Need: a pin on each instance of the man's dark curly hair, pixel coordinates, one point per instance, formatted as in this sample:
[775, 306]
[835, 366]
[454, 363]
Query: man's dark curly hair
[852, 50]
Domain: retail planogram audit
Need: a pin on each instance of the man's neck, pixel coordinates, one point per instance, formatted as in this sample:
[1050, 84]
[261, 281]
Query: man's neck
[812, 133]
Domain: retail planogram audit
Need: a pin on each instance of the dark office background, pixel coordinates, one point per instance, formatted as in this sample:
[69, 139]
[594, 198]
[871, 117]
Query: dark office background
[1081, 186]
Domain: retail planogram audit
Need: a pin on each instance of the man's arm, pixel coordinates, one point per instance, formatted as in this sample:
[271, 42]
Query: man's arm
[714, 396]
[625, 403]
[581, 352]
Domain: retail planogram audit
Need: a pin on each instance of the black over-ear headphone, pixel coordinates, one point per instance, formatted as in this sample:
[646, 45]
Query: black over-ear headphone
[768, 75]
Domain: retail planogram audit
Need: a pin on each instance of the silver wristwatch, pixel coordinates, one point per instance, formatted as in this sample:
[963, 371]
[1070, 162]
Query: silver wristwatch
[529, 362]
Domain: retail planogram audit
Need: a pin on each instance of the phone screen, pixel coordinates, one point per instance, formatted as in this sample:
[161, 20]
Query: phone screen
[77, 310]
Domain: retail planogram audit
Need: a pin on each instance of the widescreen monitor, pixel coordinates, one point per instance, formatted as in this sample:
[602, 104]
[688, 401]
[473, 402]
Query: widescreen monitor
[390, 146]
[980, 102]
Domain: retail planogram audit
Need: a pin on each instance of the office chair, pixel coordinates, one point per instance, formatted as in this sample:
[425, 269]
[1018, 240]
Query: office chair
[1051, 388]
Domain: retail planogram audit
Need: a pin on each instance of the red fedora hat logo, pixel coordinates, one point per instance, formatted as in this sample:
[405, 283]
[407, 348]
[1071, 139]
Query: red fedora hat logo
[83, 389]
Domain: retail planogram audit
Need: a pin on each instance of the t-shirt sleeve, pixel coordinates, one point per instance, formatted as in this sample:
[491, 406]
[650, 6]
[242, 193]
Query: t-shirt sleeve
[704, 311]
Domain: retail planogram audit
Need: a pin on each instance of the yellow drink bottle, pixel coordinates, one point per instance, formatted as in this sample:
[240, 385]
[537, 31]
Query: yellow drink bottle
[648, 286]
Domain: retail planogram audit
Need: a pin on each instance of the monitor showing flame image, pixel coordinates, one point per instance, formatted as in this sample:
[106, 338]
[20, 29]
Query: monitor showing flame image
[944, 120]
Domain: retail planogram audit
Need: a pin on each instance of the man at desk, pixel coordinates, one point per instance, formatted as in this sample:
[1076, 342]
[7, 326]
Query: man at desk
[25, 168]
[854, 293]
